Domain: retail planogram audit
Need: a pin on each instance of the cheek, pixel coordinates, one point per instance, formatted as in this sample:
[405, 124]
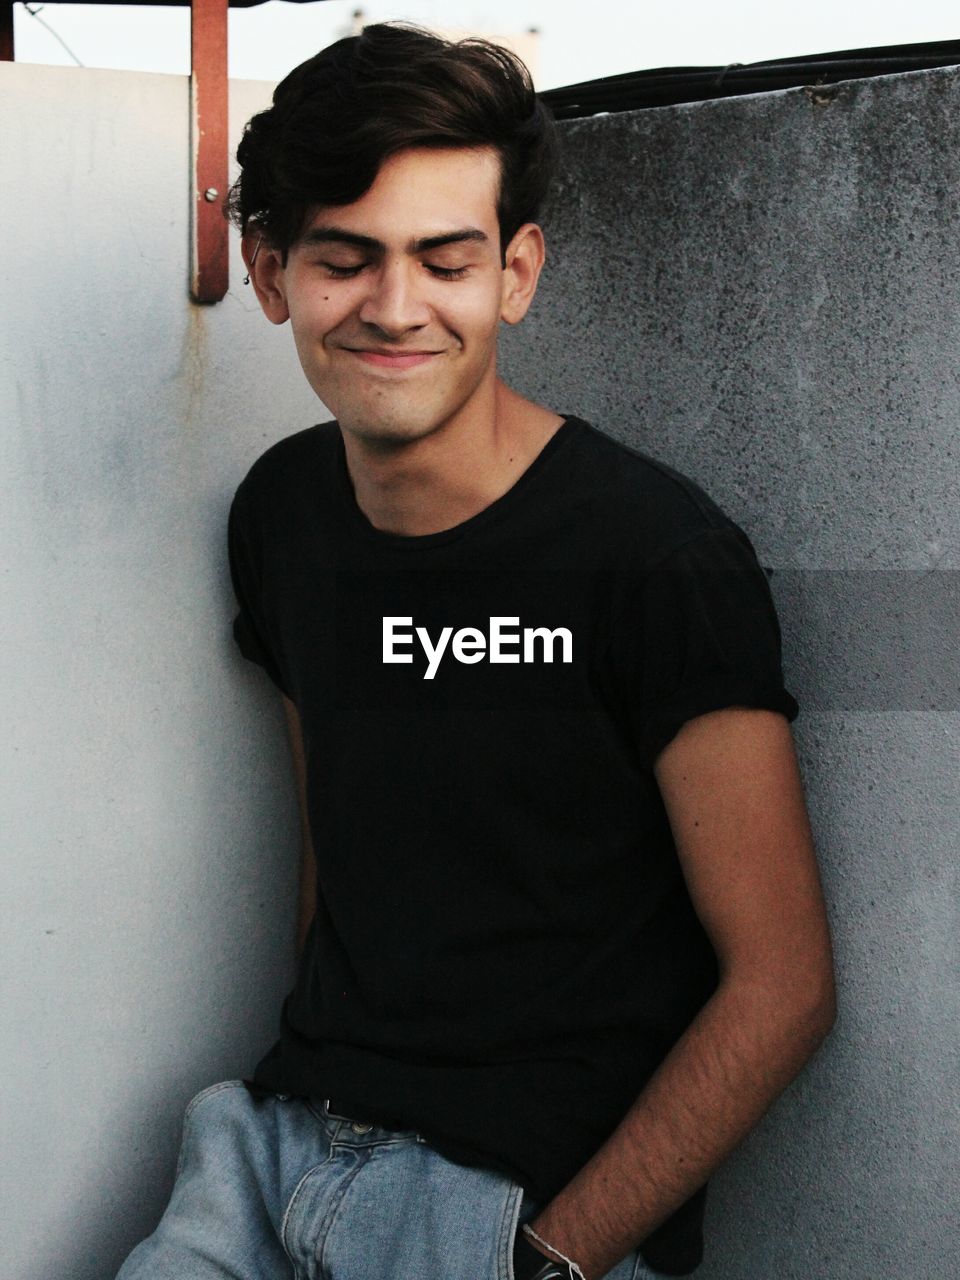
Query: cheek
[475, 317]
[313, 320]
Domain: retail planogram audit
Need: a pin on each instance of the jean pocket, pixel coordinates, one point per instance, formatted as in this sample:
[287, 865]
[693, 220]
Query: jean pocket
[515, 1211]
[641, 1271]
[192, 1106]
[631, 1267]
[204, 1094]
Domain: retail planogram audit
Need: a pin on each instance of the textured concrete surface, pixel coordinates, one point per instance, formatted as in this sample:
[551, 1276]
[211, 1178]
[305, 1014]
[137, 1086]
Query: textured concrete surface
[763, 292]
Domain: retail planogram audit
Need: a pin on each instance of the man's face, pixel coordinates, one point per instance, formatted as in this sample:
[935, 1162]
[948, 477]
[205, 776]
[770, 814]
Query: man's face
[395, 300]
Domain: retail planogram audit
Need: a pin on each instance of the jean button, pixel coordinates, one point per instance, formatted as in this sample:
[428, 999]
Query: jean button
[361, 1128]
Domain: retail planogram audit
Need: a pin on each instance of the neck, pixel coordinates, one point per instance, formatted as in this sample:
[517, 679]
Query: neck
[444, 478]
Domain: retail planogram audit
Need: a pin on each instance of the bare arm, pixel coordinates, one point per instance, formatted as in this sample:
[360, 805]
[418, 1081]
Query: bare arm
[732, 791]
[307, 903]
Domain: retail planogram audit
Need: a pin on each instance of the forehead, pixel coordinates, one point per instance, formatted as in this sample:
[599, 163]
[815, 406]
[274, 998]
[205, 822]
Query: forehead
[423, 191]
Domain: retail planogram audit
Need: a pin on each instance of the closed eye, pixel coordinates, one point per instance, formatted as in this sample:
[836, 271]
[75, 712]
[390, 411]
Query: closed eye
[447, 273]
[343, 273]
[348, 273]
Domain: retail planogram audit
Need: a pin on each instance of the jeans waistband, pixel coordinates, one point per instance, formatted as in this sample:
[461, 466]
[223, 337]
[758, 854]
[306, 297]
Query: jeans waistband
[361, 1123]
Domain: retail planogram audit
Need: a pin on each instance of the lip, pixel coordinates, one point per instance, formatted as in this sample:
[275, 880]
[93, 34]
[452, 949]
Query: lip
[393, 359]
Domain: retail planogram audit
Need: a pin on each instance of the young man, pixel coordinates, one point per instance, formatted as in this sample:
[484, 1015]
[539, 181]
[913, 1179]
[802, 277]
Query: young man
[562, 935]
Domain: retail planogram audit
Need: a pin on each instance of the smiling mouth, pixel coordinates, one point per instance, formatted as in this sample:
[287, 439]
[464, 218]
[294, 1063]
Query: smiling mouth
[393, 359]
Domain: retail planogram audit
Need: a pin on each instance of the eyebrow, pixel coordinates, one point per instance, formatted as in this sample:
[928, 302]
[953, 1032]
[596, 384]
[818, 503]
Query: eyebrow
[337, 235]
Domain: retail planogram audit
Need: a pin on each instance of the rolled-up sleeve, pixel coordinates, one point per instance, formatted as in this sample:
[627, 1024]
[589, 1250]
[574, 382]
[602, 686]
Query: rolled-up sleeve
[699, 632]
[250, 629]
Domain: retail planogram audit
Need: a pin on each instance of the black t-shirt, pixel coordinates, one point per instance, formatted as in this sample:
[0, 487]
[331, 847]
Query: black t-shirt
[504, 948]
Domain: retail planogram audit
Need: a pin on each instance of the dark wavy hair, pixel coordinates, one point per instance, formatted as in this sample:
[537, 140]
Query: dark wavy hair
[339, 115]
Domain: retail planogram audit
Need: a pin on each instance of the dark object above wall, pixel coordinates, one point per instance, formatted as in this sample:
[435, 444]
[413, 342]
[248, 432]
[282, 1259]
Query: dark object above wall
[666, 86]
[182, 4]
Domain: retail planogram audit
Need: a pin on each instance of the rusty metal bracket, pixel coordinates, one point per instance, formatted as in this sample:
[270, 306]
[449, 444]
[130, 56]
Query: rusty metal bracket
[209, 268]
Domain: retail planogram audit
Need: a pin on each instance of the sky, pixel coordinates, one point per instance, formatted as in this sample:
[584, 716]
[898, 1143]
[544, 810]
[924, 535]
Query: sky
[577, 39]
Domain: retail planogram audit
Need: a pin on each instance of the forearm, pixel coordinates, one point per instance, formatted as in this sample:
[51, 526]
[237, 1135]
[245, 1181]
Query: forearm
[741, 1051]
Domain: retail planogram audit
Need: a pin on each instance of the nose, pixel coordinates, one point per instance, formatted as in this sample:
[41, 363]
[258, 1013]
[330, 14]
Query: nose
[394, 302]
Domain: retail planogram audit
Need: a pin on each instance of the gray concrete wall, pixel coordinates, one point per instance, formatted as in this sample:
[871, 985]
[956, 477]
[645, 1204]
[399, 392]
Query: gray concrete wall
[761, 291]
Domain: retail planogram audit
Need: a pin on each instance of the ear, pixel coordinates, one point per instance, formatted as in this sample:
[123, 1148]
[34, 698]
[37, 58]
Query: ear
[524, 259]
[266, 270]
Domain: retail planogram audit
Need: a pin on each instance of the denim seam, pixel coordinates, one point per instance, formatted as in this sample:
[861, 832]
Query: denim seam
[641, 1269]
[508, 1231]
[209, 1092]
[291, 1204]
[364, 1142]
[332, 1216]
[181, 1154]
[191, 1107]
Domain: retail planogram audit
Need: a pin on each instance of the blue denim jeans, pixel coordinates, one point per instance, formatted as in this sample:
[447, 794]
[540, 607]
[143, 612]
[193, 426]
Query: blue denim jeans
[282, 1189]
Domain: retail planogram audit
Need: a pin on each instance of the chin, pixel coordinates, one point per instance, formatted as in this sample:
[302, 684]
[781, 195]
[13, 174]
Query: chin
[388, 428]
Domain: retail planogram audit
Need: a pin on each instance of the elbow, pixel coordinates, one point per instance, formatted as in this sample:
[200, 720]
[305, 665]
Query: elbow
[814, 1008]
[795, 1003]
[825, 1010]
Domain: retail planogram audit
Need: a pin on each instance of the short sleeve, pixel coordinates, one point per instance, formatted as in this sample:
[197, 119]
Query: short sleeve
[249, 627]
[699, 632]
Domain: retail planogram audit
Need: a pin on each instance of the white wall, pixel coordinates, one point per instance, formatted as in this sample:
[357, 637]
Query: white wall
[148, 823]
